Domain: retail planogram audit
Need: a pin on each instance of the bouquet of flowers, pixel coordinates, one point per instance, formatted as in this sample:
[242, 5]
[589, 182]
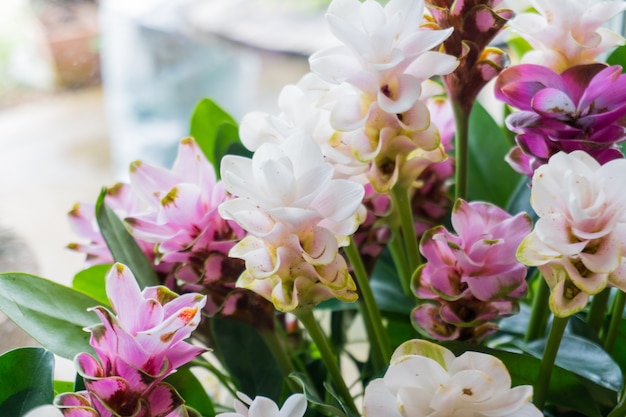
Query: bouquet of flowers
[381, 247]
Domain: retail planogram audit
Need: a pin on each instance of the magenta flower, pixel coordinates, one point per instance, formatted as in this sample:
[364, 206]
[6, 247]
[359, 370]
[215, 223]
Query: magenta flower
[136, 349]
[582, 108]
[474, 276]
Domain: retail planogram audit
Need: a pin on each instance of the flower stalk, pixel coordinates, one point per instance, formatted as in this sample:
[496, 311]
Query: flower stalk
[400, 196]
[557, 329]
[461, 150]
[539, 311]
[598, 306]
[616, 317]
[306, 317]
[371, 314]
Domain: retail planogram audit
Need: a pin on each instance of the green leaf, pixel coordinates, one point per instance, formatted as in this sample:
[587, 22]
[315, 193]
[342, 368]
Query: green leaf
[192, 391]
[491, 179]
[63, 386]
[598, 366]
[26, 380]
[122, 245]
[618, 57]
[566, 389]
[52, 314]
[216, 132]
[245, 355]
[91, 281]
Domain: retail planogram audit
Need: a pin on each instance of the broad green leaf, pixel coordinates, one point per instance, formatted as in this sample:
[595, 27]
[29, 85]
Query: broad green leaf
[91, 281]
[519, 201]
[26, 380]
[245, 355]
[386, 286]
[51, 313]
[215, 131]
[566, 389]
[598, 366]
[122, 245]
[491, 179]
[192, 391]
[618, 57]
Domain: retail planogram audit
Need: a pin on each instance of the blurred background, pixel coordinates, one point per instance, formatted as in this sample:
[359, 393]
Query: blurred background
[88, 86]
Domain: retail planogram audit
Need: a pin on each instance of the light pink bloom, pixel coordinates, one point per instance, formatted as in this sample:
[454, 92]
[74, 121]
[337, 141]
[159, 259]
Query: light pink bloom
[297, 216]
[565, 33]
[472, 277]
[124, 202]
[137, 347]
[426, 380]
[579, 239]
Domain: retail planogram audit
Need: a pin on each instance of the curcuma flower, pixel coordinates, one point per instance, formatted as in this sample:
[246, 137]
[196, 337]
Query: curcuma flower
[473, 277]
[294, 406]
[296, 216]
[579, 239]
[568, 33]
[475, 24]
[583, 108]
[426, 380]
[136, 349]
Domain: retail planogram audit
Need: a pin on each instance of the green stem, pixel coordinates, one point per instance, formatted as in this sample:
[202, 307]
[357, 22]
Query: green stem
[402, 202]
[547, 362]
[306, 317]
[595, 317]
[539, 311]
[399, 259]
[616, 317]
[370, 311]
[461, 150]
[277, 347]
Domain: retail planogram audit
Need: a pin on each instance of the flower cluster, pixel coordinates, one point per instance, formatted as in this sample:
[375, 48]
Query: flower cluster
[579, 239]
[427, 380]
[136, 349]
[473, 277]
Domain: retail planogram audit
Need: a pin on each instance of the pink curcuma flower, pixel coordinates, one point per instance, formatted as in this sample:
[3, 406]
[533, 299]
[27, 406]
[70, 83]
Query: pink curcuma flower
[297, 216]
[472, 277]
[82, 218]
[579, 239]
[137, 346]
[581, 109]
[568, 33]
[426, 380]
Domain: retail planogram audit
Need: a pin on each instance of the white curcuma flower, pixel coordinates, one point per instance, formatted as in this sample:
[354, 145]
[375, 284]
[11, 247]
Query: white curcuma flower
[579, 239]
[294, 406]
[297, 216]
[426, 380]
[568, 33]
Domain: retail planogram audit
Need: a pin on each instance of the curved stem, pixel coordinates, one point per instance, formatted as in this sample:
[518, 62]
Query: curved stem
[369, 310]
[547, 362]
[539, 311]
[307, 319]
[224, 380]
[402, 202]
[616, 317]
[595, 317]
[461, 150]
[277, 347]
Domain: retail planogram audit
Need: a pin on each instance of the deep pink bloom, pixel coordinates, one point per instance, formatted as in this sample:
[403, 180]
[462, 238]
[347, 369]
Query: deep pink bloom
[137, 346]
[583, 108]
[473, 276]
